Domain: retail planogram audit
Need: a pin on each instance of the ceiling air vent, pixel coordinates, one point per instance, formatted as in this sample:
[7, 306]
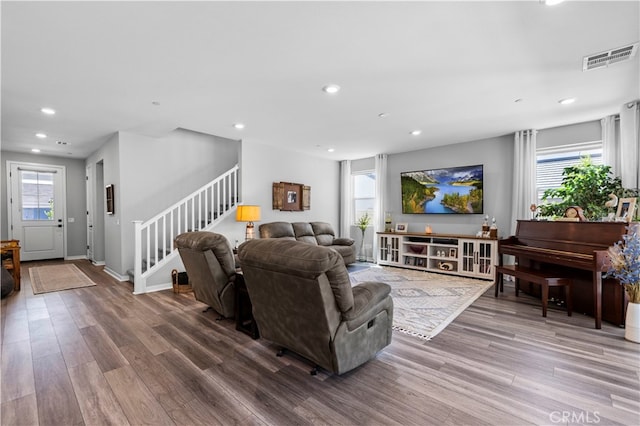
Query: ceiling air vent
[604, 59]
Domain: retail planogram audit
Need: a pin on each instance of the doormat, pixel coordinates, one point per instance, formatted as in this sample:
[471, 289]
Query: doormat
[424, 303]
[45, 279]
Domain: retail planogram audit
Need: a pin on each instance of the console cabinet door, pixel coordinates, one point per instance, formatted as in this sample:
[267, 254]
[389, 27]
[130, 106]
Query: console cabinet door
[477, 257]
[389, 250]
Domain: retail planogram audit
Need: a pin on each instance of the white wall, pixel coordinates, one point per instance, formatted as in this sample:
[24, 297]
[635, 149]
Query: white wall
[150, 174]
[495, 154]
[261, 165]
[76, 198]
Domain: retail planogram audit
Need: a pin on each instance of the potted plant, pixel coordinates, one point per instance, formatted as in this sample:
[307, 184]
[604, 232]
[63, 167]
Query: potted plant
[363, 222]
[625, 267]
[586, 185]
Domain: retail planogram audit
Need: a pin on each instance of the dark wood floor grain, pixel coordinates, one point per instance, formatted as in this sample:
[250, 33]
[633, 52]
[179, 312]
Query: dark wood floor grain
[100, 355]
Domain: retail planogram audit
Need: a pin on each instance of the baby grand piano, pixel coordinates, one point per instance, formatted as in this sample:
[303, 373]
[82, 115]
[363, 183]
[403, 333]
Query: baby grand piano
[577, 250]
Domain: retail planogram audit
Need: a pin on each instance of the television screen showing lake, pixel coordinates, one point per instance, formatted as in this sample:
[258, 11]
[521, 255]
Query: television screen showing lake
[455, 190]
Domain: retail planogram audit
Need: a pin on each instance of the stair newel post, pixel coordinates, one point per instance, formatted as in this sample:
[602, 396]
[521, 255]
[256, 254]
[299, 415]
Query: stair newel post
[139, 286]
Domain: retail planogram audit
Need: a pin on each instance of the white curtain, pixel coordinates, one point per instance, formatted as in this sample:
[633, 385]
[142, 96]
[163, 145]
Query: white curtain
[381, 188]
[610, 144]
[629, 141]
[346, 205]
[524, 176]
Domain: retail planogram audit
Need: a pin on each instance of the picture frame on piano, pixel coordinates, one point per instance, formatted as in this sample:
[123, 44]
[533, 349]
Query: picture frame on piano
[626, 208]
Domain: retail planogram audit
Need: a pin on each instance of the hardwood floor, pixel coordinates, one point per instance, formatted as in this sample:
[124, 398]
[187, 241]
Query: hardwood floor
[100, 355]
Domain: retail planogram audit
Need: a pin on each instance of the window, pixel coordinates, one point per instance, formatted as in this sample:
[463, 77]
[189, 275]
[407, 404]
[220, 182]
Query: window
[364, 192]
[551, 162]
[37, 195]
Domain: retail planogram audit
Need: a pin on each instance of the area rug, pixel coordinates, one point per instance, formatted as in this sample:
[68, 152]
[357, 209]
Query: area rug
[424, 303]
[45, 279]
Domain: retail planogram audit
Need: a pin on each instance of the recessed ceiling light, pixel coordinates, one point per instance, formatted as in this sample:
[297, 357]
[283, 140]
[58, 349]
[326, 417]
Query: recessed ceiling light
[239, 126]
[331, 89]
[566, 101]
[383, 114]
[552, 2]
[35, 150]
[416, 132]
[331, 149]
[61, 143]
[156, 103]
[40, 135]
[518, 100]
[48, 111]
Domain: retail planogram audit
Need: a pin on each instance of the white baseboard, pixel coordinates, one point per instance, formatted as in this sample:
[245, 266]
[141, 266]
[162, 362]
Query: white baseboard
[159, 287]
[116, 275]
[98, 262]
[80, 257]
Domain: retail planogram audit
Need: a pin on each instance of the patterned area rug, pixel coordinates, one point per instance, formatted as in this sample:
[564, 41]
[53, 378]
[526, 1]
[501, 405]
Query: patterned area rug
[45, 279]
[424, 303]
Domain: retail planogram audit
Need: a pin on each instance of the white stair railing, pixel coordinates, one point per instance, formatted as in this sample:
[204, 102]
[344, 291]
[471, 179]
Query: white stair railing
[200, 210]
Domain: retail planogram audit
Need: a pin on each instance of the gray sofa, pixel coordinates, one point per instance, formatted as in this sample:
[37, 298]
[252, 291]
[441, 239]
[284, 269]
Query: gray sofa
[303, 301]
[316, 233]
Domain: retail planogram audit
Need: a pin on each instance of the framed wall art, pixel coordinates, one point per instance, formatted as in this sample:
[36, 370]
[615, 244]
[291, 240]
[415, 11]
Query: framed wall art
[288, 196]
[626, 208]
[110, 199]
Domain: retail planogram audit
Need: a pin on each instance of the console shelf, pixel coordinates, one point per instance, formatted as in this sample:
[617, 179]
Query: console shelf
[464, 255]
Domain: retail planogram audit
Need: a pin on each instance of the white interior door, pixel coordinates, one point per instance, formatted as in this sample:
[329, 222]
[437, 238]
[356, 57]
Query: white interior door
[37, 199]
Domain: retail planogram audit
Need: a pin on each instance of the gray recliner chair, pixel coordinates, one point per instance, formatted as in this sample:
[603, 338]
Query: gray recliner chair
[303, 301]
[210, 264]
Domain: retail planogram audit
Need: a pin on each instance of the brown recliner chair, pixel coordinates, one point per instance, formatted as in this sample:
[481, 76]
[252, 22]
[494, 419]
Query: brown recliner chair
[303, 301]
[210, 264]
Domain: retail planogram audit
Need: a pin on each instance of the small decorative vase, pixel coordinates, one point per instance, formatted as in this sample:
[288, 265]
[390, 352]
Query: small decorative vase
[632, 323]
[362, 256]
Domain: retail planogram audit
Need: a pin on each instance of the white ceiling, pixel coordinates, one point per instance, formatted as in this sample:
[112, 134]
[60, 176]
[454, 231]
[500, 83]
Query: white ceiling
[451, 69]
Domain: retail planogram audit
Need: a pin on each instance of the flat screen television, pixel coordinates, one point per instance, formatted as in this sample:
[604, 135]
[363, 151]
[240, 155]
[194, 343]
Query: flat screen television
[452, 190]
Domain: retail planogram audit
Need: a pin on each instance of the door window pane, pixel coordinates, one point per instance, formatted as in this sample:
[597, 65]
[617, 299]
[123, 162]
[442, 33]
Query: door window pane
[37, 195]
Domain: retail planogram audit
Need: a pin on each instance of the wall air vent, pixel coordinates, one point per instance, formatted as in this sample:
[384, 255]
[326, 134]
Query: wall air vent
[604, 59]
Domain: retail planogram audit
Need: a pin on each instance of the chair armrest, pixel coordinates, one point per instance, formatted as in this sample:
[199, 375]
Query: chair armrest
[369, 298]
[343, 242]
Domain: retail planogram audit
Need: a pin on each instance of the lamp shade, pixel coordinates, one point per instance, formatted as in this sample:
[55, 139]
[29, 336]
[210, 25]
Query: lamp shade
[247, 213]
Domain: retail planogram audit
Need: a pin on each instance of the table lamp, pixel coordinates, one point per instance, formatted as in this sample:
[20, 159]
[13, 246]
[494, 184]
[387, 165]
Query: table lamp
[248, 214]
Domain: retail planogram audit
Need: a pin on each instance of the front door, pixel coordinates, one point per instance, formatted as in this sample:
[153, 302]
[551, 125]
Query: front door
[37, 201]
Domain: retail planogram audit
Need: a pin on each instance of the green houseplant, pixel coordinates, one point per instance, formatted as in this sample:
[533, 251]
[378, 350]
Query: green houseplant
[586, 185]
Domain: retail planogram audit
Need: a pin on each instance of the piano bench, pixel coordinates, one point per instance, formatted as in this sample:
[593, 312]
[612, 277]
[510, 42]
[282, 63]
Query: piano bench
[544, 279]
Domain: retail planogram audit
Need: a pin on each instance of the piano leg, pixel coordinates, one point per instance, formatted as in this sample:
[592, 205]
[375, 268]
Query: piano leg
[597, 298]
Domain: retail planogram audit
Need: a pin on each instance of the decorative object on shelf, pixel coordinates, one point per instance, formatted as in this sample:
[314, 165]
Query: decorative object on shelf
[401, 227]
[626, 208]
[427, 229]
[445, 266]
[416, 249]
[493, 229]
[387, 222]
[625, 267]
[363, 223]
[453, 252]
[612, 203]
[575, 213]
[534, 211]
[249, 214]
[485, 227]
[289, 196]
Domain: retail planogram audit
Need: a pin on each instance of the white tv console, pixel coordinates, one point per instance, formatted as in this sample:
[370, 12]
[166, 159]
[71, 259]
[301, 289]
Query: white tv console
[464, 255]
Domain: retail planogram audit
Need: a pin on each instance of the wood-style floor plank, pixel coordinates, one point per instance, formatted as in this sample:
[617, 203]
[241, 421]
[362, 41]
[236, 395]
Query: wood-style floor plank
[100, 355]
